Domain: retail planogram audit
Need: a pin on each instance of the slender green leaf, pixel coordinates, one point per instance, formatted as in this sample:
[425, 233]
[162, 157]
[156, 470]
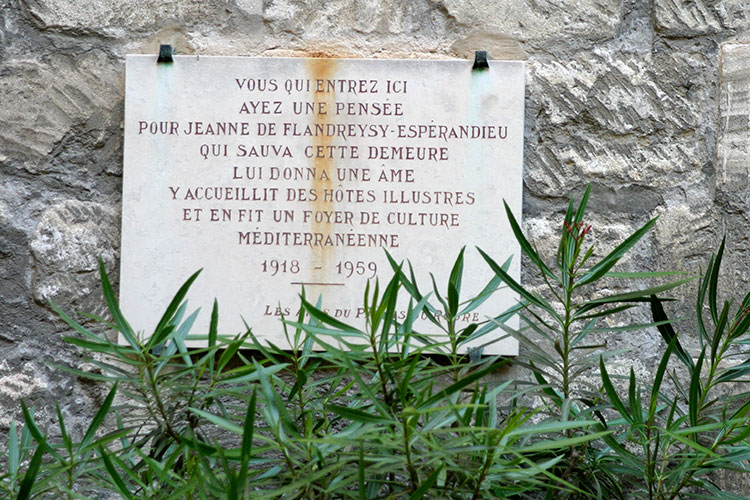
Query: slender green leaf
[719, 331]
[116, 478]
[714, 282]
[639, 295]
[439, 298]
[24, 492]
[327, 318]
[526, 246]
[114, 309]
[411, 286]
[101, 347]
[212, 328]
[160, 331]
[667, 332]
[73, 324]
[545, 385]
[690, 443]
[228, 354]
[361, 473]
[701, 301]
[357, 415]
[601, 268]
[457, 386]
[467, 332]
[734, 372]
[741, 323]
[659, 378]
[490, 288]
[634, 396]
[454, 283]
[388, 306]
[581, 316]
[246, 450]
[14, 453]
[426, 484]
[557, 444]
[220, 421]
[581, 210]
[516, 287]
[67, 441]
[695, 390]
[36, 433]
[98, 419]
[549, 427]
[645, 274]
[612, 393]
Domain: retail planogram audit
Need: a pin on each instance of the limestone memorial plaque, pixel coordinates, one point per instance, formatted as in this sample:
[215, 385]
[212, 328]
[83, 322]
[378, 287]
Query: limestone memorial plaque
[275, 173]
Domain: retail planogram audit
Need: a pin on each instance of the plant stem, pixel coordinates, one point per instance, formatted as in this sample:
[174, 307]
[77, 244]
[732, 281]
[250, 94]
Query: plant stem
[650, 465]
[454, 347]
[488, 458]
[566, 331]
[159, 404]
[70, 477]
[379, 369]
[565, 354]
[413, 476]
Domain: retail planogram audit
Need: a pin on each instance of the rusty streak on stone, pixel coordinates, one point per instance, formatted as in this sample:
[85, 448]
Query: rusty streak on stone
[321, 68]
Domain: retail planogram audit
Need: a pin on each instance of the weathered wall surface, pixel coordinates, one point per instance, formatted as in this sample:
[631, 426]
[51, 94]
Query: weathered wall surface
[646, 100]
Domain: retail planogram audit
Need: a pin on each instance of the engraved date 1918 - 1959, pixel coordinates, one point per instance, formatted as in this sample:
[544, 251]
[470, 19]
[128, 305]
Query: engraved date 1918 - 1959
[345, 268]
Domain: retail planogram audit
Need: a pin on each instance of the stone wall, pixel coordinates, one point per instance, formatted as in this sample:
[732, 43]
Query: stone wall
[646, 100]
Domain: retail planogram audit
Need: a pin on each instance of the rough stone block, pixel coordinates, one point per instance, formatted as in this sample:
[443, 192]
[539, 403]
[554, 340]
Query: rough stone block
[567, 159]
[531, 20]
[619, 119]
[322, 19]
[734, 120]
[66, 245]
[621, 93]
[251, 7]
[498, 46]
[732, 168]
[43, 101]
[17, 382]
[26, 372]
[112, 18]
[734, 14]
[679, 18]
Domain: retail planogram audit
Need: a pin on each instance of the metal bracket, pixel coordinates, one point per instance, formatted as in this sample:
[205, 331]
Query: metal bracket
[475, 354]
[165, 54]
[481, 60]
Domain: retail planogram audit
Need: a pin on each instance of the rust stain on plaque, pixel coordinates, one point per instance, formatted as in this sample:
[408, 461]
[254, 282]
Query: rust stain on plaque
[322, 161]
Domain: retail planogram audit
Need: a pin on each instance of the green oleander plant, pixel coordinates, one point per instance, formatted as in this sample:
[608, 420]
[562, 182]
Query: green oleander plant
[670, 442]
[400, 409]
[379, 412]
[565, 325]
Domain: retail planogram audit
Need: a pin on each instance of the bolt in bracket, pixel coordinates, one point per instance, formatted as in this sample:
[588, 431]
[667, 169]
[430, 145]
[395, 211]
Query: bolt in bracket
[481, 60]
[165, 54]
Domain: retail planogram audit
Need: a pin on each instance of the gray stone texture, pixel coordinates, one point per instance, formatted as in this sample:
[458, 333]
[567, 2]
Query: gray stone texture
[66, 246]
[117, 18]
[732, 167]
[648, 101]
[542, 21]
[57, 99]
[677, 18]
